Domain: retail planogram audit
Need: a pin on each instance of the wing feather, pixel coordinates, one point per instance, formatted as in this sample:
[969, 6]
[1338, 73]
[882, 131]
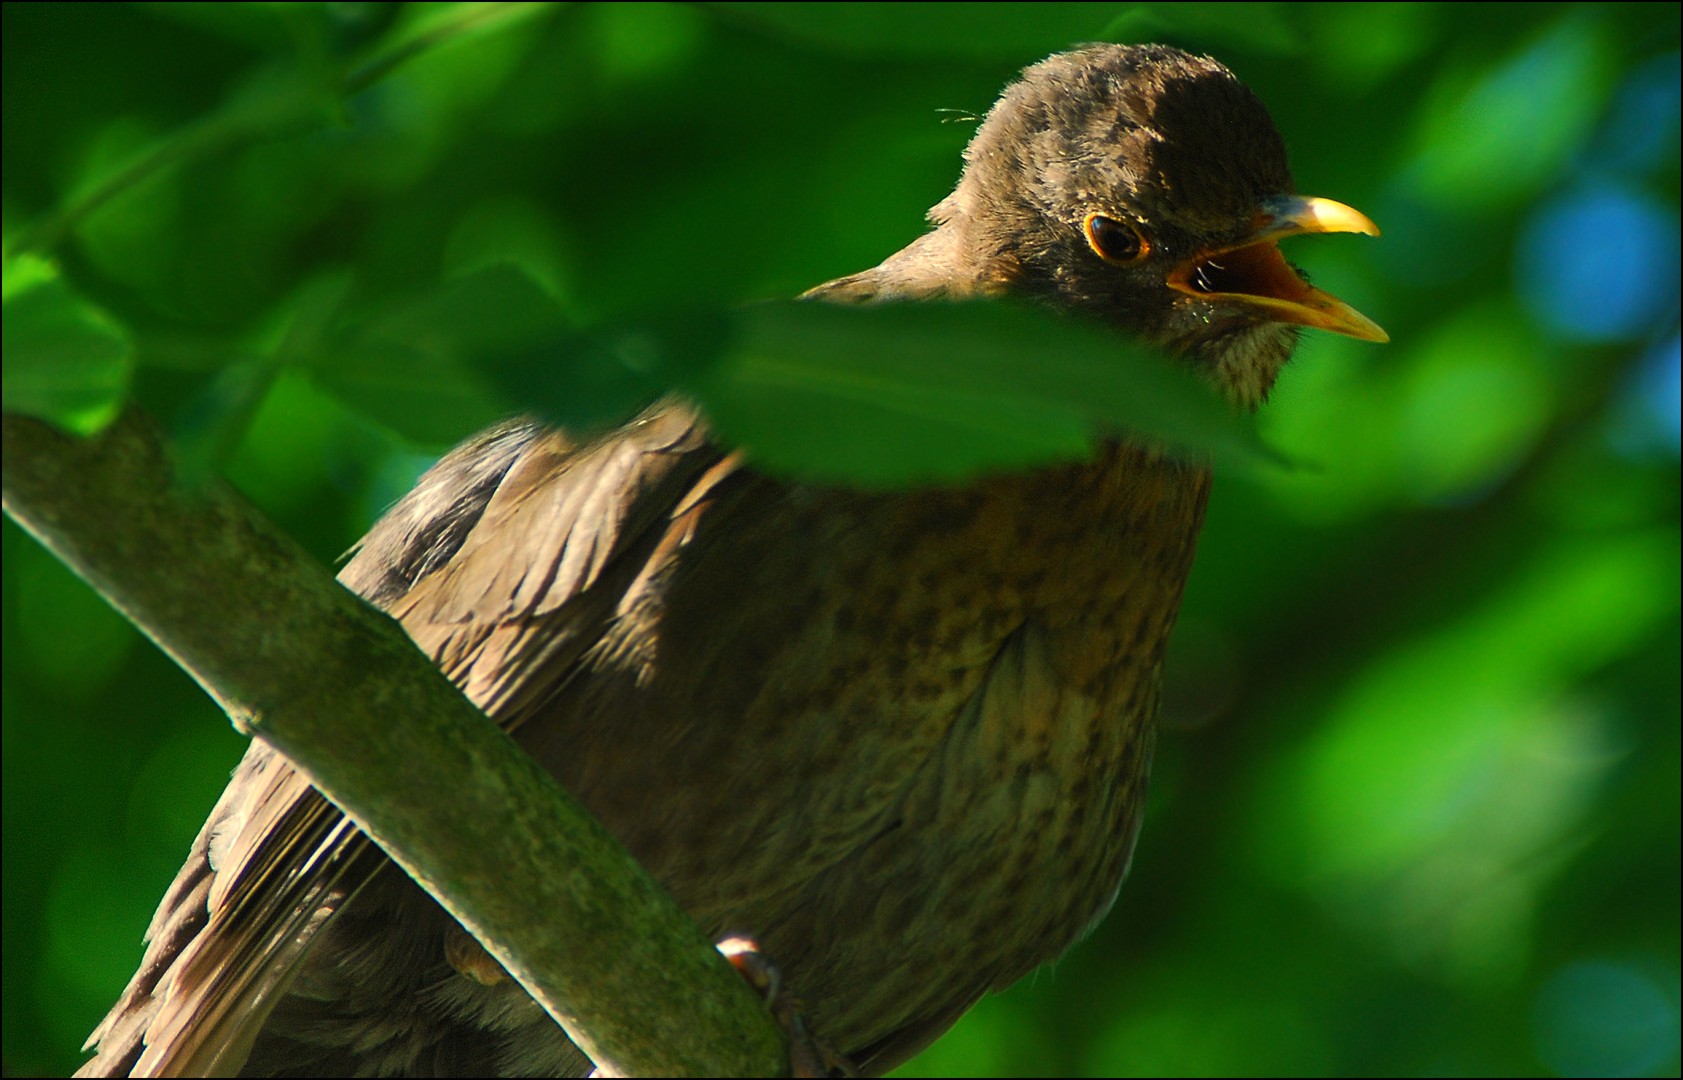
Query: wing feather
[505, 564]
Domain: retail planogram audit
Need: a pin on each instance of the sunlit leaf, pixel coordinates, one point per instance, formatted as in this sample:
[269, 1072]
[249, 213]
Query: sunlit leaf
[898, 394]
[65, 359]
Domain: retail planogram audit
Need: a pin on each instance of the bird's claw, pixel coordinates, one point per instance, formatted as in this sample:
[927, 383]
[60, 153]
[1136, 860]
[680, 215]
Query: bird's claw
[808, 1057]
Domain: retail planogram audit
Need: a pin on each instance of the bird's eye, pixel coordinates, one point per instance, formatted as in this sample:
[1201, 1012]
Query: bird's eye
[1114, 241]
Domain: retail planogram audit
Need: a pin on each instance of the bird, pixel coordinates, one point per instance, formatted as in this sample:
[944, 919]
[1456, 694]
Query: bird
[901, 738]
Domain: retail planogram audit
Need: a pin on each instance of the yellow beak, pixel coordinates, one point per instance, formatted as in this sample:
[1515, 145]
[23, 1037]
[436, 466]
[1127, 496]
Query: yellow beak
[1253, 272]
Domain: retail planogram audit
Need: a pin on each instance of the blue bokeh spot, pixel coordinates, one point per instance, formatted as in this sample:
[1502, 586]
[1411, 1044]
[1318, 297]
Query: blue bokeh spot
[1599, 264]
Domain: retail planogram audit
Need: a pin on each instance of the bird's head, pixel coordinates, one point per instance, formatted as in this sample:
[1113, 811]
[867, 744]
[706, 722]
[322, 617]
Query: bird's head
[1149, 187]
[1145, 187]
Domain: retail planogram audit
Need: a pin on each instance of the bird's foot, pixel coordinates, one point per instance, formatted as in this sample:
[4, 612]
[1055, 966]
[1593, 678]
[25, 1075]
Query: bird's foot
[808, 1057]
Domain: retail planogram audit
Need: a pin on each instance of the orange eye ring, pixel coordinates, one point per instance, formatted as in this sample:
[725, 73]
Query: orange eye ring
[1115, 241]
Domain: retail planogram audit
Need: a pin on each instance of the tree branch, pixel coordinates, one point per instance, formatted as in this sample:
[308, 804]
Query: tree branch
[297, 660]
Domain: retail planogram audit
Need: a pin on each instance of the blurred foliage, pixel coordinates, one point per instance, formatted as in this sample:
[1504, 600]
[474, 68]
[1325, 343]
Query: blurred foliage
[1416, 807]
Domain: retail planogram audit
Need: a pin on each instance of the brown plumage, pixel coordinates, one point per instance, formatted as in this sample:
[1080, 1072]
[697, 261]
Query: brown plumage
[899, 738]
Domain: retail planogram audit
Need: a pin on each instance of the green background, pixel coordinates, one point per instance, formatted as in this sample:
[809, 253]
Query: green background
[1416, 803]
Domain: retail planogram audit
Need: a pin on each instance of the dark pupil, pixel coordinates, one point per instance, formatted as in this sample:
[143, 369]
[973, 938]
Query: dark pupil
[1115, 239]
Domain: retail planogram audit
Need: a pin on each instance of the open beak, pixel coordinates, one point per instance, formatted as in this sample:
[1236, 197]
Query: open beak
[1254, 273]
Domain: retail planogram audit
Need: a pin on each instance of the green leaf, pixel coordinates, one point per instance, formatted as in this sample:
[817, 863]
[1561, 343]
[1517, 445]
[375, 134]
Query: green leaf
[886, 395]
[66, 360]
[902, 394]
[432, 365]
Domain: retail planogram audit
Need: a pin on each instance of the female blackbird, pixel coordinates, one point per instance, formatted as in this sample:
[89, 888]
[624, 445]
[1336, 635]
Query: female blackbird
[901, 738]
